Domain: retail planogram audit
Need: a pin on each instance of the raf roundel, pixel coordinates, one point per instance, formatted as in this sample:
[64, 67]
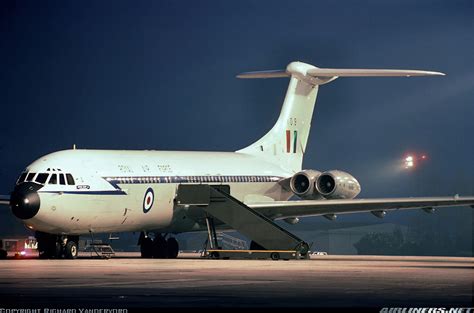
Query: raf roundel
[148, 200]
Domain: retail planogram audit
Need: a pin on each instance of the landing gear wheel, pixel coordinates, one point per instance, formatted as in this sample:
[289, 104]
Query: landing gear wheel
[71, 251]
[146, 248]
[256, 246]
[160, 247]
[173, 248]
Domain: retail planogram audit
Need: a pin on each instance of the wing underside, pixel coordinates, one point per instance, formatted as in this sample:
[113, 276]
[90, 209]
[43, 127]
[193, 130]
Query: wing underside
[301, 208]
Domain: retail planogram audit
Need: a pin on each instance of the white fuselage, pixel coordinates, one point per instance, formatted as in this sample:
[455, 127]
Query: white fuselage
[110, 188]
[115, 191]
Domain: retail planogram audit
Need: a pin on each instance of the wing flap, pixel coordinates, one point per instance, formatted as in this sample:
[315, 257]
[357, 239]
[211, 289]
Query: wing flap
[301, 208]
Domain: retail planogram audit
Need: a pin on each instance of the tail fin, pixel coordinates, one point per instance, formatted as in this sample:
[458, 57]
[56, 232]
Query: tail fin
[285, 143]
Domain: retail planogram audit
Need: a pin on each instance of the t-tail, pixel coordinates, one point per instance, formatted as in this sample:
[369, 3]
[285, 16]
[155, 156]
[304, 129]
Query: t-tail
[285, 143]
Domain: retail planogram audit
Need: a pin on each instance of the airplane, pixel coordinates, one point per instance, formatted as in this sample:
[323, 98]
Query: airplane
[75, 192]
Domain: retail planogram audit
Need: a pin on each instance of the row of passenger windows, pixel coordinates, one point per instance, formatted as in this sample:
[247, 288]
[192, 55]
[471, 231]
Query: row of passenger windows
[192, 179]
[42, 178]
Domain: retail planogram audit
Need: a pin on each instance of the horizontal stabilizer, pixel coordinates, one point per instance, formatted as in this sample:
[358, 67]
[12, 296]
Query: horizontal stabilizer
[264, 74]
[308, 71]
[343, 72]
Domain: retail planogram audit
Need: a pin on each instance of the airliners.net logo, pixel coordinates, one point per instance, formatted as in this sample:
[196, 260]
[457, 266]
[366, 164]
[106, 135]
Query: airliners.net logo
[427, 310]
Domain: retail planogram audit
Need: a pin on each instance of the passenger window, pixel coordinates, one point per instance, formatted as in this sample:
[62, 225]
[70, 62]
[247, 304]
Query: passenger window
[70, 179]
[54, 179]
[30, 176]
[41, 178]
[22, 177]
[62, 181]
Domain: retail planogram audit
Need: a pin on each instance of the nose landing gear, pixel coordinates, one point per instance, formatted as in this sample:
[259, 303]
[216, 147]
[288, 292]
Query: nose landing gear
[57, 247]
[70, 250]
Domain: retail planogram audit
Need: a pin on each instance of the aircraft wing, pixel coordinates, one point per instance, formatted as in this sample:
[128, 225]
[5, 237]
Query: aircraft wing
[4, 200]
[301, 208]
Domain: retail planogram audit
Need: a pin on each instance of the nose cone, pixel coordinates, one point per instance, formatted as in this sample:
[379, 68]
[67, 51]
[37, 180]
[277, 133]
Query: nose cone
[25, 201]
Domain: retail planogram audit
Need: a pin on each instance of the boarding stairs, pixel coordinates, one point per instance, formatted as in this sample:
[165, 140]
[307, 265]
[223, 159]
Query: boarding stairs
[218, 204]
[230, 242]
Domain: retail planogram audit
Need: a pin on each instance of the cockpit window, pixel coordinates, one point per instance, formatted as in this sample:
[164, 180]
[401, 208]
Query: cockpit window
[70, 179]
[54, 179]
[22, 177]
[41, 178]
[30, 176]
[62, 181]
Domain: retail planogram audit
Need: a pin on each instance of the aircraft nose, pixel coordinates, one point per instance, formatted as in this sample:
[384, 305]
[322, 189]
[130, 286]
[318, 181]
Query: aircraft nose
[25, 201]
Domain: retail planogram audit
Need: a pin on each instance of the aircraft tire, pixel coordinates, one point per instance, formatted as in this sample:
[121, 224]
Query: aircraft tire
[71, 250]
[160, 247]
[146, 248]
[173, 248]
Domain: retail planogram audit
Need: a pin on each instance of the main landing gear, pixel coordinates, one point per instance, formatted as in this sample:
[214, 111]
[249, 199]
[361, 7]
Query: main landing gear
[57, 246]
[159, 247]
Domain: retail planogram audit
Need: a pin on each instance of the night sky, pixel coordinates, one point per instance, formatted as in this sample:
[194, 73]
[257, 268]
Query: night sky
[161, 75]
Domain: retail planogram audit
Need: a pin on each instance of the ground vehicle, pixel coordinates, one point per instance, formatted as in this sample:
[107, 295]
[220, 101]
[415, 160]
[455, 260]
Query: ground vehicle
[19, 247]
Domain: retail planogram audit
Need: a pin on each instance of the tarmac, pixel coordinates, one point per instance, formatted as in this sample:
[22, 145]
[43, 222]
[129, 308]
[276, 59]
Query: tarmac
[325, 281]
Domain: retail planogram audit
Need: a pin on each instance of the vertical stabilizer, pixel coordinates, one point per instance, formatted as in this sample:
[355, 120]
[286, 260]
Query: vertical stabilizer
[285, 143]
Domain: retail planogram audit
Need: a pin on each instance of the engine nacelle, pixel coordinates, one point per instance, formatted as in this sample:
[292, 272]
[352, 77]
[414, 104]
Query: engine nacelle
[337, 185]
[303, 184]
